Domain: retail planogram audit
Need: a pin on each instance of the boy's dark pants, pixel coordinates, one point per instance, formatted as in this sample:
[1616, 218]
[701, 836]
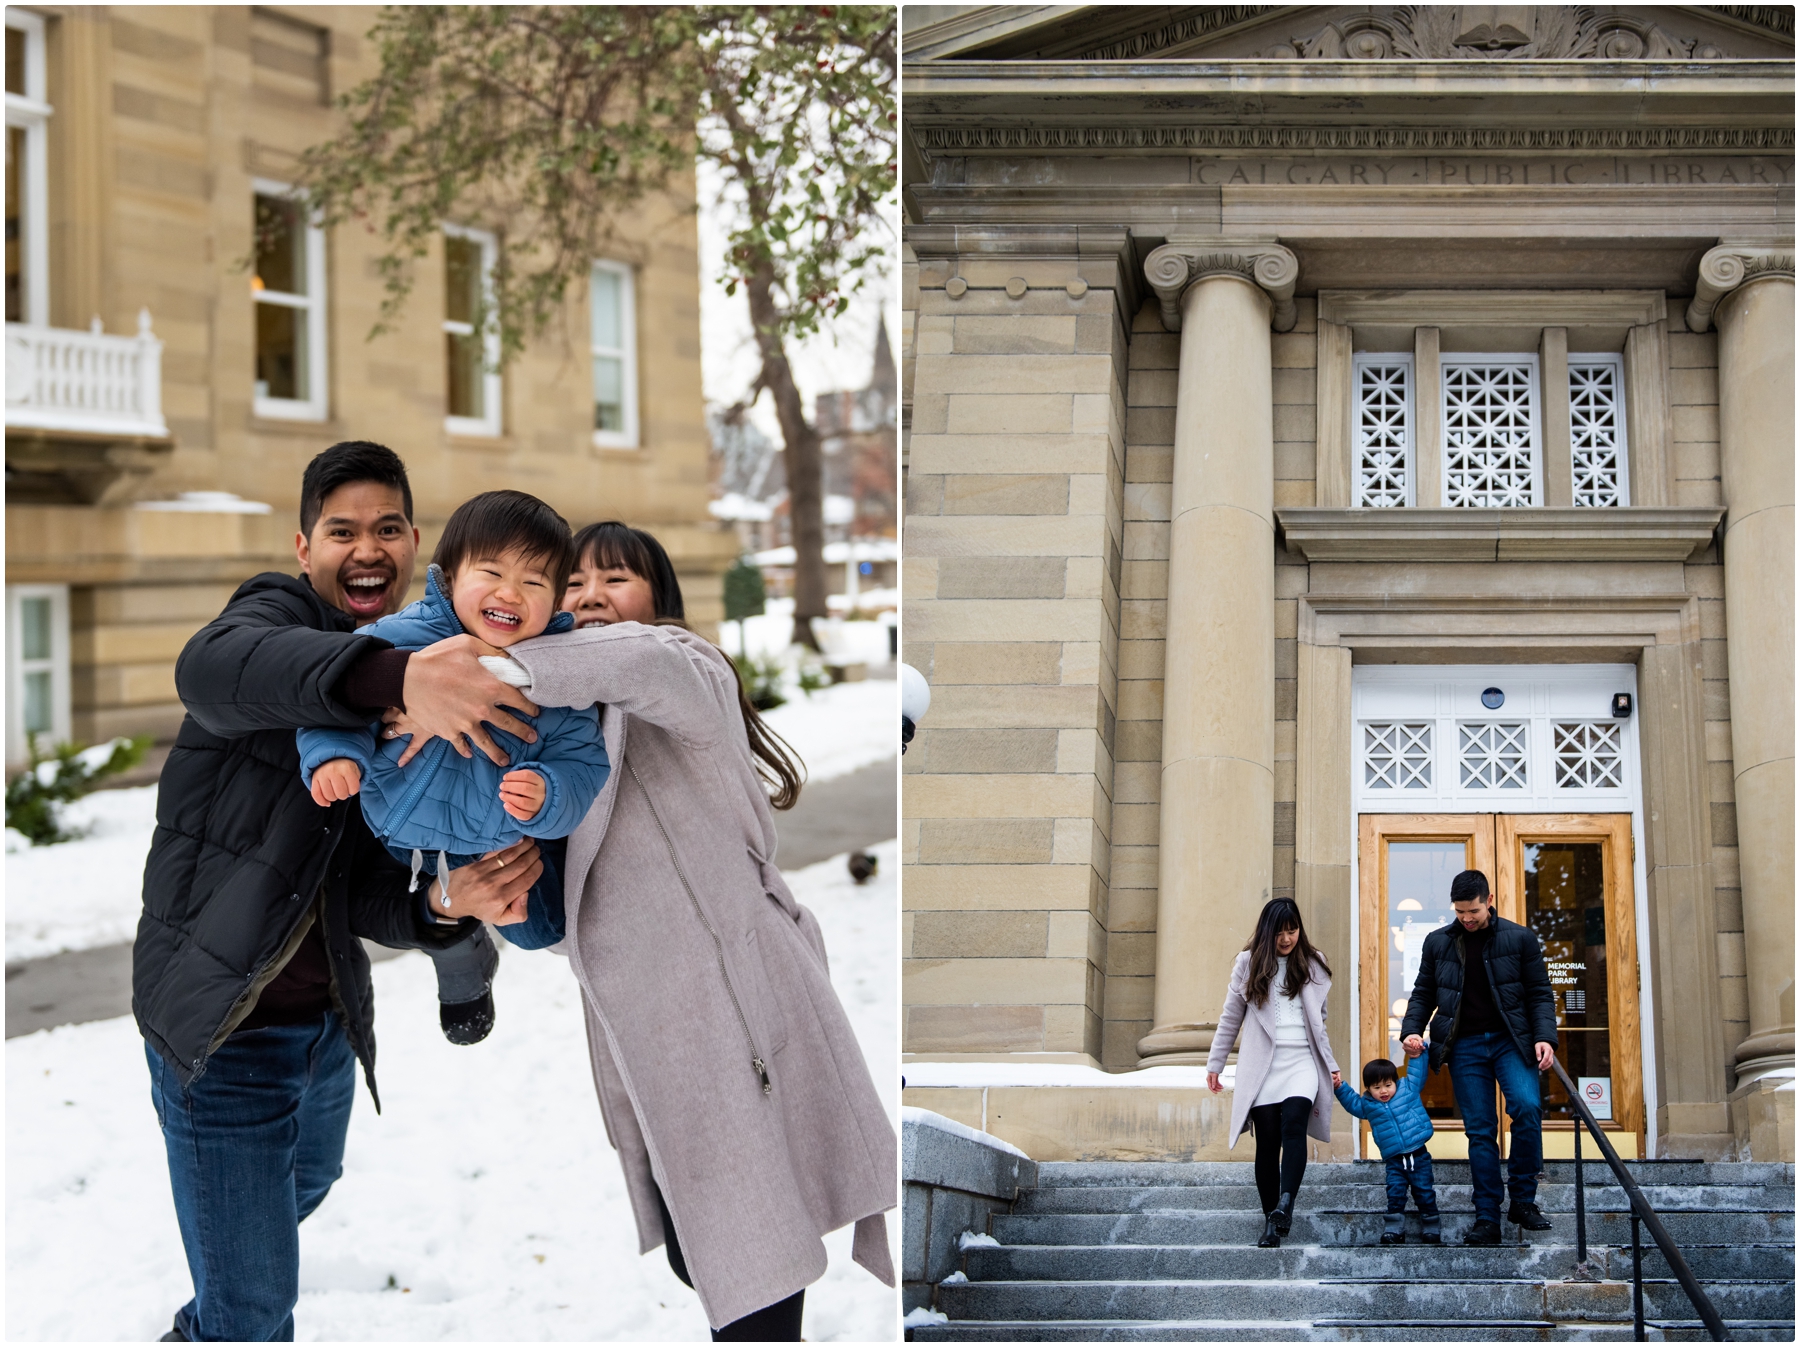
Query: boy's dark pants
[1412, 1170]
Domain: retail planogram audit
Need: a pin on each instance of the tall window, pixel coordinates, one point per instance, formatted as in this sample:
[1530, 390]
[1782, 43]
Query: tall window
[1597, 454]
[1491, 431]
[613, 331]
[27, 172]
[37, 666]
[1382, 427]
[471, 347]
[289, 293]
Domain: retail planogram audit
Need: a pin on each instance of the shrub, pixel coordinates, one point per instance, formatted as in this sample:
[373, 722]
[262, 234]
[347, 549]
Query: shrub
[763, 678]
[34, 797]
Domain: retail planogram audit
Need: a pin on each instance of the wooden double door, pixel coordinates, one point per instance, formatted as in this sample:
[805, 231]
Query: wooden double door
[1568, 877]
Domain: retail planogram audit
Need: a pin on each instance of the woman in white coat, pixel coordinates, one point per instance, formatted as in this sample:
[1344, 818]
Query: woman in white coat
[1286, 1071]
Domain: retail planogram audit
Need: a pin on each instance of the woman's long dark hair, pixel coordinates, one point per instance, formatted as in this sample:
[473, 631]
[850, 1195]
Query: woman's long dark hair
[1278, 915]
[615, 546]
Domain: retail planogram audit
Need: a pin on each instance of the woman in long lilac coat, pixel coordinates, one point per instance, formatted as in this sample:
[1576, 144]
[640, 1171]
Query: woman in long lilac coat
[729, 1078]
[1286, 1071]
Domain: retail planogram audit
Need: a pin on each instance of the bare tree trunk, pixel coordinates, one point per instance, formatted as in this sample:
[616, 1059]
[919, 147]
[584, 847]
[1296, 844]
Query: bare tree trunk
[800, 455]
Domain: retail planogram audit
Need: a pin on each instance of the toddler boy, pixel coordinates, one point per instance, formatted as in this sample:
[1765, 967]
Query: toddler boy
[1401, 1126]
[499, 573]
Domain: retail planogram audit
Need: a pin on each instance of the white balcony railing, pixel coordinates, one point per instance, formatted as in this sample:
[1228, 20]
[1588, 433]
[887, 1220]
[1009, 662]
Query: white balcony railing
[87, 382]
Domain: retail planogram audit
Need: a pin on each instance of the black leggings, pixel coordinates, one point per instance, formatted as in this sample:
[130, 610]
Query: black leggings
[779, 1322]
[1280, 1147]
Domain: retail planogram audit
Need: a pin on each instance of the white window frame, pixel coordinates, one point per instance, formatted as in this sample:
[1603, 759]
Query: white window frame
[17, 667]
[1359, 361]
[317, 406]
[1617, 362]
[491, 424]
[626, 354]
[1449, 360]
[31, 112]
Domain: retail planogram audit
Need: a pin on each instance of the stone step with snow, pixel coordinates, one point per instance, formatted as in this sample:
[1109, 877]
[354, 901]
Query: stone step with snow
[1166, 1252]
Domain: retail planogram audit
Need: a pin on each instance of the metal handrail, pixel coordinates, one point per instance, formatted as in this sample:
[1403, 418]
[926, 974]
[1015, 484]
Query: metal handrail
[1641, 1213]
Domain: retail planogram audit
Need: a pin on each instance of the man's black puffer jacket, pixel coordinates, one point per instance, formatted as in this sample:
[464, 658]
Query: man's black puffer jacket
[1516, 974]
[241, 853]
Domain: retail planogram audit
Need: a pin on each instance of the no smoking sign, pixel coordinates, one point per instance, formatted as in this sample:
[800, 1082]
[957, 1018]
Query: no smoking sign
[1596, 1093]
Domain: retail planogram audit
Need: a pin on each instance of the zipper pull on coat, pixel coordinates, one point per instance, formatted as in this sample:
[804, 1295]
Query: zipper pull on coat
[762, 1071]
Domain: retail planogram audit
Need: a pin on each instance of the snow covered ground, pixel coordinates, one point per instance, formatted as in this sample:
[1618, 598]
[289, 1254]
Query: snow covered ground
[87, 893]
[483, 1203]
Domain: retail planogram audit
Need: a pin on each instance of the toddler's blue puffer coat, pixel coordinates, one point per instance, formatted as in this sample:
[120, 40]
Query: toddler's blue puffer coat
[442, 801]
[1401, 1125]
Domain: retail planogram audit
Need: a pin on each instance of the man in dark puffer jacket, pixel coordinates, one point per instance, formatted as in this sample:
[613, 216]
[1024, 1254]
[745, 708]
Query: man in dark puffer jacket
[249, 982]
[1485, 990]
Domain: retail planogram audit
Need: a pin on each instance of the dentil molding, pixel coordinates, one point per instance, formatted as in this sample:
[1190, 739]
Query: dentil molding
[1175, 266]
[1727, 267]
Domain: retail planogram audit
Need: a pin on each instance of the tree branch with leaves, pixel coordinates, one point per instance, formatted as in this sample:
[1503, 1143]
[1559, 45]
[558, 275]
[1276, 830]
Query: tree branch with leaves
[548, 124]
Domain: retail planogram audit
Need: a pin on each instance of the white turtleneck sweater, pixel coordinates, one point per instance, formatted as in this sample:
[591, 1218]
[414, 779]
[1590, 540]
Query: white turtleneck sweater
[1290, 1026]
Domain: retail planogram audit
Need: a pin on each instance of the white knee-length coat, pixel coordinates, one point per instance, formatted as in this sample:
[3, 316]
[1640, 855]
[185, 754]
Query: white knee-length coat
[1257, 1050]
[700, 973]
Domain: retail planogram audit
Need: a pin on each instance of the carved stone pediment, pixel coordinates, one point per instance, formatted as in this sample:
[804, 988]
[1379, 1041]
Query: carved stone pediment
[1495, 32]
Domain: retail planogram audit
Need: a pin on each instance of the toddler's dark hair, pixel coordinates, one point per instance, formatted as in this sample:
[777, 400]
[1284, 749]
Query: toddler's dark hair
[1377, 1071]
[502, 521]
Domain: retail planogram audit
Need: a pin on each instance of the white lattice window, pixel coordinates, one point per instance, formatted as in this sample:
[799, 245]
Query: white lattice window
[1597, 430]
[1383, 428]
[1397, 756]
[1490, 431]
[1588, 755]
[1491, 755]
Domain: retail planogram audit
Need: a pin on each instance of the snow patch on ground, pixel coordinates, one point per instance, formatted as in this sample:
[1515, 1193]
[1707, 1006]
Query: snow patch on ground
[80, 894]
[485, 1191]
[89, 892]
[842, 727]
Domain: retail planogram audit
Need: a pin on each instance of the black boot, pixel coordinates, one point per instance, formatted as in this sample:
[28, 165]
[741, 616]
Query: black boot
[1528, 1215]
[1393, 1228]
[1283, 1215]
[1271, 1235]
[1433, 1227]
[466, 1022]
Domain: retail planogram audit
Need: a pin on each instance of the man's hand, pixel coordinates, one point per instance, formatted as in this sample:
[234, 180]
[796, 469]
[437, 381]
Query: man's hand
[1546, 1055]
[522, 793]
[1413, 1044]
[1213, 1082]
[1337, 1078]
[338, 779]
[448, 694]
[494, 888]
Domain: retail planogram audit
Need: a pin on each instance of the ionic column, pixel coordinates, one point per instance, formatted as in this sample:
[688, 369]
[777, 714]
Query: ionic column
[1218, 749]
[1750, 293]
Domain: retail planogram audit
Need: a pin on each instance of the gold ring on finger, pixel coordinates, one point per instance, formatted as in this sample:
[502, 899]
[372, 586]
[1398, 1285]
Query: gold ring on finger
[500, 861]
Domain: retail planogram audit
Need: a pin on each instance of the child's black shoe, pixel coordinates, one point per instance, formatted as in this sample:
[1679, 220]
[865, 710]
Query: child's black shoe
[467, 1022]
[1431, 1239]
[1393, 1237]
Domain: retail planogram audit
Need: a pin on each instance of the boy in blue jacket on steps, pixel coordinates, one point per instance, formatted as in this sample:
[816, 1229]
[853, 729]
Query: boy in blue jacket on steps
[499, 573]
[1401, 1126]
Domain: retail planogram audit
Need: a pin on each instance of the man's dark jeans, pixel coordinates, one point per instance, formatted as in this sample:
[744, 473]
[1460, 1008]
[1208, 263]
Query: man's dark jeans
[254, 1145]
[1477, 1062]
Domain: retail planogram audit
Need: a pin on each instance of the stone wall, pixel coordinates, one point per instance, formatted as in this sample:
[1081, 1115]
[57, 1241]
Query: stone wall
[1012, 573]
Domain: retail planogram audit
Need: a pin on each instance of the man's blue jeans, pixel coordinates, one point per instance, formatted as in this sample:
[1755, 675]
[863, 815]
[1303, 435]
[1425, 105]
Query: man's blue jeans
[254, 1145]
[1477, 1062]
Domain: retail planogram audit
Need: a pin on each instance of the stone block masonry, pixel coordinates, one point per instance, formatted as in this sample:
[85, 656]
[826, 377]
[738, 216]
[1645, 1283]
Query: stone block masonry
[1015, 548]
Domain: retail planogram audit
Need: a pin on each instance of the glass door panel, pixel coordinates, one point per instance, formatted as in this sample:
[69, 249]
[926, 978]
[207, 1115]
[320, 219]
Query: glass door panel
[1568, 877]
[1406, 863]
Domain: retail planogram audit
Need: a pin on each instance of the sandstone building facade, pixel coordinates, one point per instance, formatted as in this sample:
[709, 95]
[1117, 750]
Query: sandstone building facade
[1345, 445]
[153, 462]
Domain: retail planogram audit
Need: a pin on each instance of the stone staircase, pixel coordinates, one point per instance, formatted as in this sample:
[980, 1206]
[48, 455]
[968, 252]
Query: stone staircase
[1165, 1252]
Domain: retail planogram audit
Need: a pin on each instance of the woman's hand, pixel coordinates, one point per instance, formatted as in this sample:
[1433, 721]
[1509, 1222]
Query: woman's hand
[1213, 1082]
[494, 888]
[448, 696]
